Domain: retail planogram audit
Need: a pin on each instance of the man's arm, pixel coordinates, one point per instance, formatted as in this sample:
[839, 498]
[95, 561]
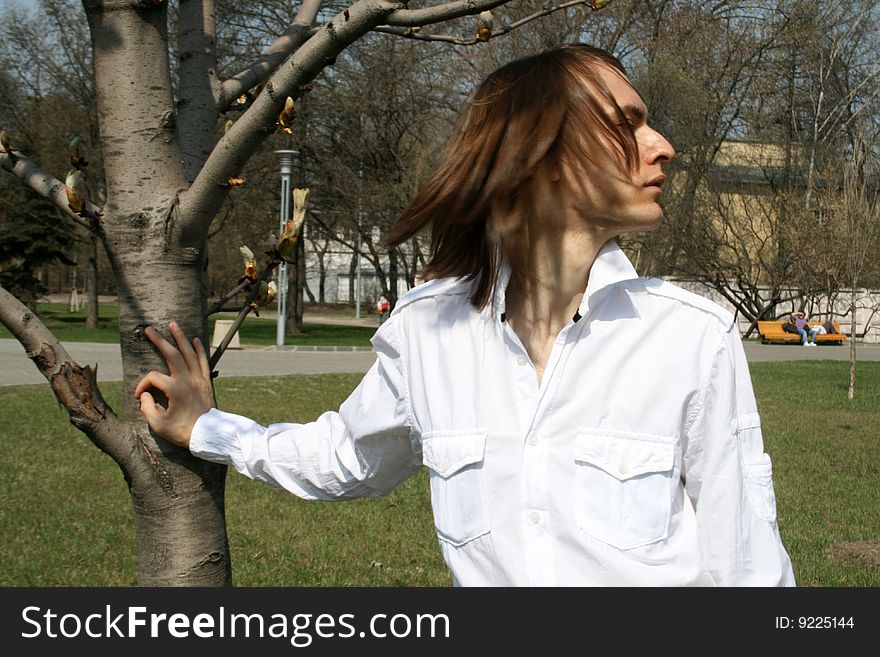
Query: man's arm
[364, 450]
[728, 478]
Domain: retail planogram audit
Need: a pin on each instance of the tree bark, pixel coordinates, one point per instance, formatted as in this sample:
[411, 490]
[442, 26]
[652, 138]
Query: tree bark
[91, 291]
[199, 88]
[177, 498]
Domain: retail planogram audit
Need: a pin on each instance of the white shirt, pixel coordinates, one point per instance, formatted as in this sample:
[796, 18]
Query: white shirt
[638, 460]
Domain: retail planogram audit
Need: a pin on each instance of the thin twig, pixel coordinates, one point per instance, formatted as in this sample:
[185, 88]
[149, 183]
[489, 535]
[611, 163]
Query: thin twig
[218, 353]
[217, 307]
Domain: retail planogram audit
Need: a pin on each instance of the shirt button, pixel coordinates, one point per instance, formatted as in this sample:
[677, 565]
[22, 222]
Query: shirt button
[534, 517]
[522, 361]
[623, 470]
[534, 439]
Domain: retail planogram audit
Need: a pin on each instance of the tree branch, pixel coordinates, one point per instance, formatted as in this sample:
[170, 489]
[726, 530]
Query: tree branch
[48, 187]
[75, 387]
[202, 200]
[217, 307]
[440, 13]
[506, 29]
[295, 35]
[239, 319]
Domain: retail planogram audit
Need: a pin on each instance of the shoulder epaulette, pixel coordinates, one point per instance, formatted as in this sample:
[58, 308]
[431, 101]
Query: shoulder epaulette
[433, 288]
[669, 290]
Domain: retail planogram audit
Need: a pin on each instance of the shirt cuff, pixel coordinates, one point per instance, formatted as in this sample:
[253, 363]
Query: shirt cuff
[214, 437]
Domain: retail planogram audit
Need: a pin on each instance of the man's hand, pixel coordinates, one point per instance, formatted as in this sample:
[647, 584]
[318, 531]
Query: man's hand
[188, 389]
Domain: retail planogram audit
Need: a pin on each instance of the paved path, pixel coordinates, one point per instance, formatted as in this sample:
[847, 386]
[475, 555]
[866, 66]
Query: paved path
[756, 352]
[17, 369]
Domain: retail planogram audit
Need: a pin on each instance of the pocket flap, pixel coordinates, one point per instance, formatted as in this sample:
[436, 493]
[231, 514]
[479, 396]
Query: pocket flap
[760, 471]
[624, 455]
[447, 452]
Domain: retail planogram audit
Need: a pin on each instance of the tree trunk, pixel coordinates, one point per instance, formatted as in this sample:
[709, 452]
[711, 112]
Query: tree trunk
[851, 392]
[392, 276]
[91, 291]
[299, 306]
[158, 268]
[294, 320]
[177, 498]
[352, 274]
[320, 254]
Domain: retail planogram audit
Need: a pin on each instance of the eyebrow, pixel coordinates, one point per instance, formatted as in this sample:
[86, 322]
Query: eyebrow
[635, 112]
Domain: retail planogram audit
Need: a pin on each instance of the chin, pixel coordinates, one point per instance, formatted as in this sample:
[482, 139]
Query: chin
[645, 223]
[653, 225]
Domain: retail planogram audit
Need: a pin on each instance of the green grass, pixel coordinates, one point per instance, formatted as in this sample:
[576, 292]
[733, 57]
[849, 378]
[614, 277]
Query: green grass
[258, 331]
[65, 513]
[261, 331]
[66, 520]
[826, 462]
[71, 326]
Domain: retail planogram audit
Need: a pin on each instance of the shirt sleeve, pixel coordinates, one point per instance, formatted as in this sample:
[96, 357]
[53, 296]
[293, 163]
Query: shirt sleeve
[363, 450]
[728, 478]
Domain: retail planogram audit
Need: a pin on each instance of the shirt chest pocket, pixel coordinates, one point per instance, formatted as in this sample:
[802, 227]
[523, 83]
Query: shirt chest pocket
[458, 484]
[623, 486]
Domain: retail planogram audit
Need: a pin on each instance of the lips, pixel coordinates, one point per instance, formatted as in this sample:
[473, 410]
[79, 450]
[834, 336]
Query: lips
[656, 182]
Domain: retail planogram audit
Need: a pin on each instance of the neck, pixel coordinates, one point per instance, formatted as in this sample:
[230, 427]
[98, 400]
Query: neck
[546, 289]
[547, 285]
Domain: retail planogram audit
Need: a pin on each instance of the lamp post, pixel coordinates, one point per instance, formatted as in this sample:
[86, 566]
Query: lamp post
[286, 161]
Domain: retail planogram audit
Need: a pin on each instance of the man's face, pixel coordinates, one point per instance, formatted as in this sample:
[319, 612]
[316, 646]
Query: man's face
[605, 195]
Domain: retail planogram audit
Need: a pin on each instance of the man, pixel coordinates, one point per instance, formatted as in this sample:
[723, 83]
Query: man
[581, 425]
[808, 335]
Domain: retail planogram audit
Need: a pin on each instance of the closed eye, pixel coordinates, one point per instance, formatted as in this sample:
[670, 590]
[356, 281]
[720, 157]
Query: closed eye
[634, 115]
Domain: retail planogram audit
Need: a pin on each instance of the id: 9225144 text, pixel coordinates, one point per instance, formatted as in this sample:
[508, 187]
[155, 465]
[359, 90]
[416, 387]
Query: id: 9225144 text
[814, 622]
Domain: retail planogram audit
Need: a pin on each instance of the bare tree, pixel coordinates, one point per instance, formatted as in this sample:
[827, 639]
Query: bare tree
[848, 238]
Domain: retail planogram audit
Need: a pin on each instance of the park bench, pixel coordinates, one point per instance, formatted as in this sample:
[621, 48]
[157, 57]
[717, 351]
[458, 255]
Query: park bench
[771, 331]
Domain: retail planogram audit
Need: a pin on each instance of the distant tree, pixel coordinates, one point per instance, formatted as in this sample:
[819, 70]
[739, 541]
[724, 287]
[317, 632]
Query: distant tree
[844, 245]
[47, 67]
[32, 234]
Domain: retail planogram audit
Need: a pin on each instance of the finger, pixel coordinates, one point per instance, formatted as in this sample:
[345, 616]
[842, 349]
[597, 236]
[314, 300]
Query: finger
[176, 364]
[204, 366]
[155, 380]
[152, 414]
[186, 350]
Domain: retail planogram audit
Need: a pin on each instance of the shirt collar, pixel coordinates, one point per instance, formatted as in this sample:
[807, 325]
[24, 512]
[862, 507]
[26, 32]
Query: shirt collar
[611, 266]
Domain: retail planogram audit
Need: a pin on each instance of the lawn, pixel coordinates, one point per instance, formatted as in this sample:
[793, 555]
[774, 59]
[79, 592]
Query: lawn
[70, 327]
[65, 513]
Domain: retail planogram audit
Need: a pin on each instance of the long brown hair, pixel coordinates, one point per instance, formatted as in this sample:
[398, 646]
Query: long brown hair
[526, 113]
